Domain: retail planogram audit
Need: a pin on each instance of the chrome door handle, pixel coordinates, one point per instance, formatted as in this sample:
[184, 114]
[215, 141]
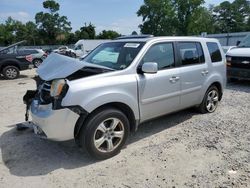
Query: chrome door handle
[205, 72]
[174, 79]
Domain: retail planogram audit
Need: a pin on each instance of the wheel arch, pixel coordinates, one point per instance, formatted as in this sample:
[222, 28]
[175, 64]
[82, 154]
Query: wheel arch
[133, 123]
[36, 59]
[219, 87]
[9, 63]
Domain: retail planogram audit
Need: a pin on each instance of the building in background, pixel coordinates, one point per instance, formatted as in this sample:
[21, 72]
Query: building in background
[228, 39]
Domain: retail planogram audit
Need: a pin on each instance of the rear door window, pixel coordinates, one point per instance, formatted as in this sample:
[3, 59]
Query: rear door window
[214, 52]
[191, 53]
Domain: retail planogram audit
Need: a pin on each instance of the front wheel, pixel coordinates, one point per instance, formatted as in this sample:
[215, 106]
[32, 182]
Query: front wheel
[11, 72]
[104, 133]
[210, 101]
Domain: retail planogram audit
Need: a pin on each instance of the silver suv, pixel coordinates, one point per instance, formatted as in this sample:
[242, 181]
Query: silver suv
[121, 84]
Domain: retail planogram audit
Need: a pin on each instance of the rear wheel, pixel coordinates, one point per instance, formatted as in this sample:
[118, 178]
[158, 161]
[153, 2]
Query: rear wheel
[104, 133]
[37, 62]
[210, 101]
[11, 72]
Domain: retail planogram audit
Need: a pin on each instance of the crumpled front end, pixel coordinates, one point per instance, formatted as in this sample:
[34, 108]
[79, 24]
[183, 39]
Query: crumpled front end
[53, 124]
[51, 119]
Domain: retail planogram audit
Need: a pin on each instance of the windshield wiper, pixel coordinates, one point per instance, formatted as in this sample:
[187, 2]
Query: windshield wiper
[98, 69]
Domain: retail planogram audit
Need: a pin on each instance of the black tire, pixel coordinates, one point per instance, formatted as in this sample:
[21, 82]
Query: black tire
[37, 62]
[203, 107]
[10, 72]
[91, 133]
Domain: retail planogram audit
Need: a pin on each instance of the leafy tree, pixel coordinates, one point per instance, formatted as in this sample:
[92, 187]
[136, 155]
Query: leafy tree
[185, 10]
[108, 34]
[31, 33]
[200, 21]
[223, 17]
[72, 38]
[87, 32]
[134, 33]
[240, 13]
[158, 17]
[7, 32]
[232, 17]
[168, 17]
[50, 23]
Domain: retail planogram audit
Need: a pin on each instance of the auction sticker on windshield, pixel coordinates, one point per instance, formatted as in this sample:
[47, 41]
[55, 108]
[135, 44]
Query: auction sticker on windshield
[131, 45]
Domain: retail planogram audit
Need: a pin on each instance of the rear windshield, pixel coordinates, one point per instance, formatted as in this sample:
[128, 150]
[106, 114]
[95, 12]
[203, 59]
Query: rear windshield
[214, 51]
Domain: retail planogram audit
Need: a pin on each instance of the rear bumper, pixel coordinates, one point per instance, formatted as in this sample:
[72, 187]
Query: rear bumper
[55, 125]
[238, 73]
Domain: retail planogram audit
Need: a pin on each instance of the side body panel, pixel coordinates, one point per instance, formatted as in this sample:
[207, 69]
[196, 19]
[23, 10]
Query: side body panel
[157, 94]
[121, 89]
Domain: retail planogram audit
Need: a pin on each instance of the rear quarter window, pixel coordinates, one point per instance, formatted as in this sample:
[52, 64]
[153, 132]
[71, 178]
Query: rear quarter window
[214, 52]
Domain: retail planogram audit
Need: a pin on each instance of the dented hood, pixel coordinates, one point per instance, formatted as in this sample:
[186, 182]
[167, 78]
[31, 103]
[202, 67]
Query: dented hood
[57, 66]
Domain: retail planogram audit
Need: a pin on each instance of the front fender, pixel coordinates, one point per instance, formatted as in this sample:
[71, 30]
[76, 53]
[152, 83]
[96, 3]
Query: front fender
[123, 90]
[100, 100]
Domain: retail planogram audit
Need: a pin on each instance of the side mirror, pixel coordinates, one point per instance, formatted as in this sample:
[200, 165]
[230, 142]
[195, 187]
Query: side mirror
[150, 68]
[238, 43]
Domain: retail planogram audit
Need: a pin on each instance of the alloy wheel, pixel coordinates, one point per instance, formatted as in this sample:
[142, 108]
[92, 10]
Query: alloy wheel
[108, 135]
[212, 100]
[11, 73]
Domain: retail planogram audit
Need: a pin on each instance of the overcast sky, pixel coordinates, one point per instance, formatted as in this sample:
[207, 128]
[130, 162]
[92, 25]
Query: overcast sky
[118, 15]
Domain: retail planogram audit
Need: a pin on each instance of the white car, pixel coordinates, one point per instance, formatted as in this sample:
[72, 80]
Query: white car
[65, 50]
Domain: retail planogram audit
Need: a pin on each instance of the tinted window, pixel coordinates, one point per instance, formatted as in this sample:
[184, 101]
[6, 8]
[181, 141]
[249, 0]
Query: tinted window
[162, 54]
[191, 53]
[214, 51]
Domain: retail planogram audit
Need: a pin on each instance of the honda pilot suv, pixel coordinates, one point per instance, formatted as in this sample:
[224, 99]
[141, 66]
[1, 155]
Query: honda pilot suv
[122, 83]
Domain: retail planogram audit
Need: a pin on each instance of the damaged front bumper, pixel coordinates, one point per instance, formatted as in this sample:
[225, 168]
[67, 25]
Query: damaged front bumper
[52, 124]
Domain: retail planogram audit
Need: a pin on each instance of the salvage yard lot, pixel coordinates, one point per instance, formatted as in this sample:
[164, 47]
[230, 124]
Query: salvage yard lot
[185, 149]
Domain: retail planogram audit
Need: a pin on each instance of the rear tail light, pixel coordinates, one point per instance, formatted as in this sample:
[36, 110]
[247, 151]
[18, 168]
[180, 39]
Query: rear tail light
[29, 58]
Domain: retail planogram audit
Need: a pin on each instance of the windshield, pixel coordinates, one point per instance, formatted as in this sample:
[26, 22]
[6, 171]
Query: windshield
[245, 42]
[115, 55]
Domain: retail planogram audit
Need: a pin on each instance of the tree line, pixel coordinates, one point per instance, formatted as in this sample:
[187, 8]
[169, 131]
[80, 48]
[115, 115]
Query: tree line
[49, 28]
[159, 17]
[191, 17]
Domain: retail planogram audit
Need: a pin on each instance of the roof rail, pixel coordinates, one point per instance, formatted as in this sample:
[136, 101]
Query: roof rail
[134, 37]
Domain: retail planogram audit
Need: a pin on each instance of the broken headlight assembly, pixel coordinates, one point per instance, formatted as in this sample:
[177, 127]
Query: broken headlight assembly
[58, 90]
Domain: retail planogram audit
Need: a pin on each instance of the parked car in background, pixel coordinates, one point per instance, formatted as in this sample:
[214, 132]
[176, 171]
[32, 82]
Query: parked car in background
[238, 61]
[121, 84]
[12, 62]
[65, 50]
[83, 47]
[38, 55]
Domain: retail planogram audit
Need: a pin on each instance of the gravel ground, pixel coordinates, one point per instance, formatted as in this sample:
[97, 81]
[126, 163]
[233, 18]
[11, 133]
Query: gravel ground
[185, 149]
